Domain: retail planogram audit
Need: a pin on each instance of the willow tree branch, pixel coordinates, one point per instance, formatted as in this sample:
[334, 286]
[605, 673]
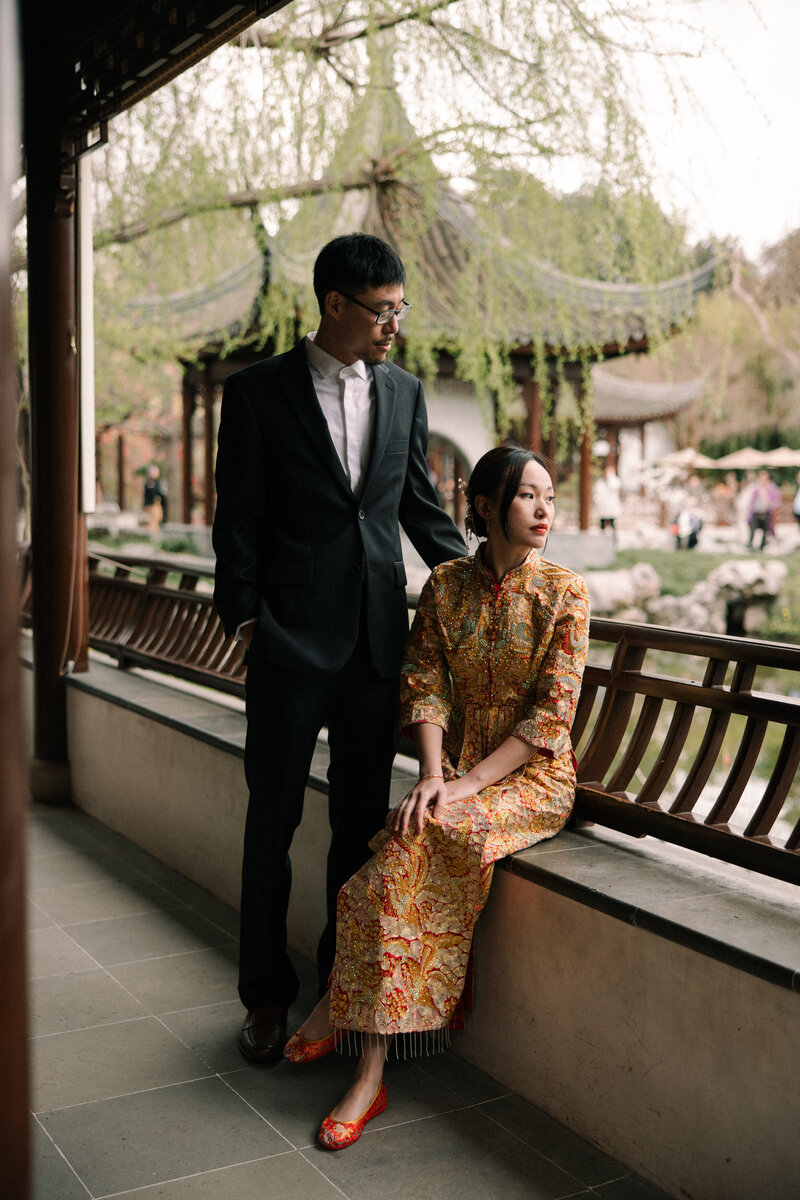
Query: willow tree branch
[337, 33]
[738, 289]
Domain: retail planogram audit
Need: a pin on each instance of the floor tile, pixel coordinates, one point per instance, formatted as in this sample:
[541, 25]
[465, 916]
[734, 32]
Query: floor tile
[53, 952]
[470, 1084]
[139, 1140]
[217, 912]
[173, 982]
[212, 1032]
[72, 903]
[148, 935]
[631, 1188]
[76, 866]
[553, 1140]
[59, 1003]
[52, 1176]
[144, 1095]
[44, 838]
[459, 1156]
[282, 1177]
[109, 1060]
[293, 1098]
[36, 918]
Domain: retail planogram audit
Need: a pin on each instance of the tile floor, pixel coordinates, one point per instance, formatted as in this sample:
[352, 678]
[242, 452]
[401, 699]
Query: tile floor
[139, 1089]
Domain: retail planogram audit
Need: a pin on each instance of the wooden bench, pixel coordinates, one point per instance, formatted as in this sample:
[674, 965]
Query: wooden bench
[672, 734]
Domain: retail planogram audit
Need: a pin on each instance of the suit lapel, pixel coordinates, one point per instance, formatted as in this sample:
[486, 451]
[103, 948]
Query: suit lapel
[302, 399]
[385, 397]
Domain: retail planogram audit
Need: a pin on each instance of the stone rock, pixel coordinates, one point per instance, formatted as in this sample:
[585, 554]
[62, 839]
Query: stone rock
[610, 591]
[735, 598]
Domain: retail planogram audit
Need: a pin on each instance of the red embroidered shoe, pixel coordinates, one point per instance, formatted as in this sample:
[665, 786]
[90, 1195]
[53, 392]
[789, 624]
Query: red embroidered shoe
[335, 1135]
[299, 1050]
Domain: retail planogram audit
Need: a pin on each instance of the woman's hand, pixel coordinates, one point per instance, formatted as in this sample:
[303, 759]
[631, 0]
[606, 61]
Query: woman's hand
[427, 793]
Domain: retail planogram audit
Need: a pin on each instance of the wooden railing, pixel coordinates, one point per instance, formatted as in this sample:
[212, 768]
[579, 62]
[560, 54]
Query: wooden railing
[701, 756]
[675, 737]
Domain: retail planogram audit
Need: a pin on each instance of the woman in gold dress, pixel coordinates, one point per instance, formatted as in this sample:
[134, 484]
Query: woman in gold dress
[488, 692]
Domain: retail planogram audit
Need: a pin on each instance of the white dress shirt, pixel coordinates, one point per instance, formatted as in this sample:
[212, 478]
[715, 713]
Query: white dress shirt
[346, 396]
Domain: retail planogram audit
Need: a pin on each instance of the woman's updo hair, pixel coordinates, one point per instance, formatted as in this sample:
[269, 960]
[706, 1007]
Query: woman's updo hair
[496, 475]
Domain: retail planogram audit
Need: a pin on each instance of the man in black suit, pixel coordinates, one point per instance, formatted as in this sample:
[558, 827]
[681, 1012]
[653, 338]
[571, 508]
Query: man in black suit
[321, 458]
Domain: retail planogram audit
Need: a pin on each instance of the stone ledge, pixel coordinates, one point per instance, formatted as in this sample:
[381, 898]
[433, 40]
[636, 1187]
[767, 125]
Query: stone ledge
[726, 913]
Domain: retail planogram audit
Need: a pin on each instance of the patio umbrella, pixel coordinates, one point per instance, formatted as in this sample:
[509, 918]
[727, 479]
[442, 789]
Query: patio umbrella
[746, 459]
[688, 457]
[782, 457]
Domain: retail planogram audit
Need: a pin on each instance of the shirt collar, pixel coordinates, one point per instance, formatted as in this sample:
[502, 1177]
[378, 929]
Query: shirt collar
[324, 365]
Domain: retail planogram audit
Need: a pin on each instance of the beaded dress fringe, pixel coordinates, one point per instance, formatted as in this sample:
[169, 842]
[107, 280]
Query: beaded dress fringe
[401, 1045]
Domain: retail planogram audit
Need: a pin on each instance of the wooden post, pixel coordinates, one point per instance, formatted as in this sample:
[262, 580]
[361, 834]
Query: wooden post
[187, 412]
[586, 480]
[552, 438]
[613, 446]
[58, 539]
[208, 446]
[121, 497]
[14, 1100]
[532, 397]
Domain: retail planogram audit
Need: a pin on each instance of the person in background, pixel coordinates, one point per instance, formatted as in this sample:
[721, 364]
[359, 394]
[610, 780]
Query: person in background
[489, 689]
[322, 457]
[764, 501]
[606, 495]
[154, 499]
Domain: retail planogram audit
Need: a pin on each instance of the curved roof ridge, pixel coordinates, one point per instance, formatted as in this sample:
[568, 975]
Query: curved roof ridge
[607, 384]
[695, 281]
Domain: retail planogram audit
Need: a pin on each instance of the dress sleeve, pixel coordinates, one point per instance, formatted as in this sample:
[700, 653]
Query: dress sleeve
[549, 721]
[425, 693]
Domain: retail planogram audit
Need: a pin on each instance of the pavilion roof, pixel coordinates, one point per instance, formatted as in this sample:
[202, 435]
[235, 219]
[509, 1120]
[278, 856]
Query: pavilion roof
[622, 401]
[405, 200]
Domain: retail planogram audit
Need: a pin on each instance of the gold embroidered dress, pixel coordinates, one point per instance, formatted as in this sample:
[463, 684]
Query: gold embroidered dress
[484, 661]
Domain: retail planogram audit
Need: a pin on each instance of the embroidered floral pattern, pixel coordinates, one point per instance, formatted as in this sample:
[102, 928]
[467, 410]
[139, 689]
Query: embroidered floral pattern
[484, 661]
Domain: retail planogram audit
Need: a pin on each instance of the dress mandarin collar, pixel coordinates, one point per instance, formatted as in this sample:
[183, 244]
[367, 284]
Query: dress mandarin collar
[530, 558]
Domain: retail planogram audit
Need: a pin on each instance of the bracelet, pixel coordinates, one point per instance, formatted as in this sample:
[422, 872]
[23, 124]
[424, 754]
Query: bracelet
[422, 778]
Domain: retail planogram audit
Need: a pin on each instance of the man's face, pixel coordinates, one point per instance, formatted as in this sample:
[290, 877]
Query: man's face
[349, 332]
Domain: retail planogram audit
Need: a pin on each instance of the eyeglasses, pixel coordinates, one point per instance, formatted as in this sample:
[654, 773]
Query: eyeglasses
[382, 316]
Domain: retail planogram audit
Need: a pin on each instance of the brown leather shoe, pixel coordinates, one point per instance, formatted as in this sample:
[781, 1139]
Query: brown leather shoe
[263, 1036]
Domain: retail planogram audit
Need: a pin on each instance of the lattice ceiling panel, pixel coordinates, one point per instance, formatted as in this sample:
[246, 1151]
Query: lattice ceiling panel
[117, 53]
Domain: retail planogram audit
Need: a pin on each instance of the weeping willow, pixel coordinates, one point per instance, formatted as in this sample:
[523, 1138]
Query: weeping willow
[493, 143]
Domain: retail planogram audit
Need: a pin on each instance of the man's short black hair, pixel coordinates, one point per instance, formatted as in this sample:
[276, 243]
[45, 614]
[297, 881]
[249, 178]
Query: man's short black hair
[354, 262]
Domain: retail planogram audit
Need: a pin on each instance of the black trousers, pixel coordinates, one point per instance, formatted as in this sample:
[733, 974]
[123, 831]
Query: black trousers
[285, 711]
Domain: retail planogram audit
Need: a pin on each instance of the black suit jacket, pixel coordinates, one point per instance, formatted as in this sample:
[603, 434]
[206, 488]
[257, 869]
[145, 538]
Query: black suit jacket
[292, 541]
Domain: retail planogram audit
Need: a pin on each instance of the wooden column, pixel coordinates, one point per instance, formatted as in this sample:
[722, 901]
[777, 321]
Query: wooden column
[613, 446]
[208, 447]
[187, 412]
[14, 1099]
[585, 483]
[552, 438]
[585, 480]
[58, 539]
[121, 497]
[532, 397]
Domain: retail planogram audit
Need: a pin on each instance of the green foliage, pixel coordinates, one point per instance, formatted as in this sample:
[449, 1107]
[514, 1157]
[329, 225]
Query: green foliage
[480, 137]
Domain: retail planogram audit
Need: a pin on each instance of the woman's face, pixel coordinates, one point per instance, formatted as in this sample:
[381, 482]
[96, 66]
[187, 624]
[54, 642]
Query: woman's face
[530, 513]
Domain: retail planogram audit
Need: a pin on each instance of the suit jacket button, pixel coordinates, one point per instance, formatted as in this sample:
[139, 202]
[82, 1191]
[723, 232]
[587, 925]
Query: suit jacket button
[361, 514]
